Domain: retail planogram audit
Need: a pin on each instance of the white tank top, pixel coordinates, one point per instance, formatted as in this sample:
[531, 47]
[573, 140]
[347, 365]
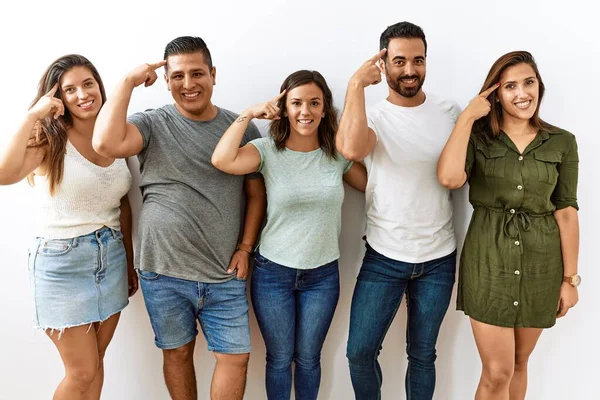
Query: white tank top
[87, 198]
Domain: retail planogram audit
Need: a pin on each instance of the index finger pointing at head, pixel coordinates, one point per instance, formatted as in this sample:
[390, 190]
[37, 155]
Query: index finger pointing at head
[53, 91]
[378, 55]
[158, 64]
[279, 96]
[489, 91]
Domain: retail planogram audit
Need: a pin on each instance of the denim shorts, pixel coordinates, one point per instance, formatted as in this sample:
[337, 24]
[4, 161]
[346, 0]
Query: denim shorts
[78, 281]
[176, 305]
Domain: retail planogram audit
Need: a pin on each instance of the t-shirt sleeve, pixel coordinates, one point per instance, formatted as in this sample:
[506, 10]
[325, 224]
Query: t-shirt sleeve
[261, 146]
[346, 164]
[565, 192]
[371, 122]
[143, 122]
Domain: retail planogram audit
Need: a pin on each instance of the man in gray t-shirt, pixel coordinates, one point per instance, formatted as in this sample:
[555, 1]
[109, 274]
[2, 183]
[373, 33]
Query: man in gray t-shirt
[192, 255]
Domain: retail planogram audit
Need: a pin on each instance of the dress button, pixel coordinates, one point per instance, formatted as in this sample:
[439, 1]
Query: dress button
[512, 210]
[517, 272]
[517, 243]
[516, 303]
[520, 158]
[519, 187]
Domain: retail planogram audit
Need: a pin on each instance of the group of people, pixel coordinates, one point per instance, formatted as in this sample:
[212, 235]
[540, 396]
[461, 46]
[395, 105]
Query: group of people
[206, 176]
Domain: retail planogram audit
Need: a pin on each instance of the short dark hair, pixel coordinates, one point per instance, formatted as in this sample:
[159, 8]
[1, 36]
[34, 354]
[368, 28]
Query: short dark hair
[401, 30]
[280, 128]
[187, 45]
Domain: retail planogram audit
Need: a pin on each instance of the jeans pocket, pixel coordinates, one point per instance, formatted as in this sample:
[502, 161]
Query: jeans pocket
[55, 247]
[147, 275]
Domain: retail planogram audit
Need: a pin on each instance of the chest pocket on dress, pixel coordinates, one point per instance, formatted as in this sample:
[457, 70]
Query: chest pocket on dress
[494, 161]
[546, 163]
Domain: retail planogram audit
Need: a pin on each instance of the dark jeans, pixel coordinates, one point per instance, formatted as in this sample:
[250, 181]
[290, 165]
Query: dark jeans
[294, 309]
[377, 296]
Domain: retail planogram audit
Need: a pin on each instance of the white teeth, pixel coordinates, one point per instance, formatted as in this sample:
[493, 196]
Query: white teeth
[305, 121]
[523, 104]
[190, 95]
[409, 80]
[87, 104]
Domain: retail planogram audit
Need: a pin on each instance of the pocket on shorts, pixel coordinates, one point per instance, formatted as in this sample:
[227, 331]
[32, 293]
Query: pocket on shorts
[55, 247]
[147, 275]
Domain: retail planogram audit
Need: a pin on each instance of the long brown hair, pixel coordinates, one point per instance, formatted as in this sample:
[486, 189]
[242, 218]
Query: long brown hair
[489, 126]
[51, 133]
[280, 128]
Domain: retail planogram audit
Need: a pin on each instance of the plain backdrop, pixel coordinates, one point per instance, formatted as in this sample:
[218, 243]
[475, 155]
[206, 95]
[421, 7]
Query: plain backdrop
[255, 45]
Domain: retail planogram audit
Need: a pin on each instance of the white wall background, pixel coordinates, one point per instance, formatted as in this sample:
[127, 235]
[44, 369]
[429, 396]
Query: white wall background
[255, 45]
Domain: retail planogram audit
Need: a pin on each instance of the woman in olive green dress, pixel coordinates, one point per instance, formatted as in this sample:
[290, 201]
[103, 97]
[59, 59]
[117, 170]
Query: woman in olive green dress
[518, 267]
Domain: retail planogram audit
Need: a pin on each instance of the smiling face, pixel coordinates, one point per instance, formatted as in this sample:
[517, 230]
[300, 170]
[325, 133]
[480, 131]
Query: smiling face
[404, 66]
[81, 93]
[305, 108]
[519, 92]
[190, 81]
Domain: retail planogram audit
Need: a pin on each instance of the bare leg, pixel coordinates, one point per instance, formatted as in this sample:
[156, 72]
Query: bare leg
[178, 367]
[229, 378]
[104, 334]
[496, 347]
[78, 350]
[525, 341]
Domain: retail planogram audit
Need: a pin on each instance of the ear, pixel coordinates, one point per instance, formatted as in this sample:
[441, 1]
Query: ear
[213, 74]
[167, 82]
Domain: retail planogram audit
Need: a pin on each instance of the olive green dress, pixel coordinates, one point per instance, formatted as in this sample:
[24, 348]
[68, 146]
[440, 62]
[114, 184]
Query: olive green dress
[511, 265]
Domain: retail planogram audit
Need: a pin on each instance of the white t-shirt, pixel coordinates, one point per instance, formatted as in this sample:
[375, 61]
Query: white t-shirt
[409, 214]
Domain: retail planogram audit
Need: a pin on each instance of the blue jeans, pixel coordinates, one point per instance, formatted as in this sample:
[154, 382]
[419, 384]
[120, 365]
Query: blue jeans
[294, 309]
[377, 296]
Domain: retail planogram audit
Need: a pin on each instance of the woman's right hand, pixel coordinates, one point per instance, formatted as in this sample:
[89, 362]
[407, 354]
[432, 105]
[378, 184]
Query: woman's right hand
[48, 104]
[480, 106]
[268, 110]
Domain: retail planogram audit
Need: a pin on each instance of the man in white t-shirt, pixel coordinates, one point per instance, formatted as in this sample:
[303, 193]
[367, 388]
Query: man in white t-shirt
[410, 238]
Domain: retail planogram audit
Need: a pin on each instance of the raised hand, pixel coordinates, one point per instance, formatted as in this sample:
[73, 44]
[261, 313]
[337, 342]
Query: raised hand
[48, 104]
[145, 73]
[269, 110]
[370, 72]
[480, 106]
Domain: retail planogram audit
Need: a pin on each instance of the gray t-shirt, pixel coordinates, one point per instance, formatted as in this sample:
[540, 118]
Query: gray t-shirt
[191, 214]
[305, 193]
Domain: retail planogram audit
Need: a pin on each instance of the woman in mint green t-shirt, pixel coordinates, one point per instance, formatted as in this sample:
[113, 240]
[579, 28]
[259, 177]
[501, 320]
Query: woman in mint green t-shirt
[295, 284]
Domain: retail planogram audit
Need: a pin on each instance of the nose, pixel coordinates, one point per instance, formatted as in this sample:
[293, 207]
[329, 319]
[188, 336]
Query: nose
[82, 94]
[187, 82]
[304, 110]
[521, 91]
[409, 69]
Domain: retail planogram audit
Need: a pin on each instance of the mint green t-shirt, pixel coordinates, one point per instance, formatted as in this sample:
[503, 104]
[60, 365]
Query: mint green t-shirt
[305, 192]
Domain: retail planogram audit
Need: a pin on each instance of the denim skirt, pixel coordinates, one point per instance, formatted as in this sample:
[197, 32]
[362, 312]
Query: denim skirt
[78, 281]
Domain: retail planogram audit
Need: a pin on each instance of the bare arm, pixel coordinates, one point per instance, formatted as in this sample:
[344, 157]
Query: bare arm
[113, 135]
[354, 139]
[16, 159]
[357, 177]
[256, 205]
[451, 164]
[127, 231]
[228, 156]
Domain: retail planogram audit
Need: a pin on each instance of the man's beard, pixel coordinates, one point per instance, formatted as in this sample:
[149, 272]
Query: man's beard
[397, 87]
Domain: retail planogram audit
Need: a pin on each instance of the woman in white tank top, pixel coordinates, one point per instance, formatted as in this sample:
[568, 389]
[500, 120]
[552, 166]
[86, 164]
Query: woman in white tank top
[81, 262]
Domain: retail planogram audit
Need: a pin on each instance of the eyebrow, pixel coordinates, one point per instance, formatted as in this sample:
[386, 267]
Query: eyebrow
[84, 81]
[173, 72]
[531, 77]
[314, 98]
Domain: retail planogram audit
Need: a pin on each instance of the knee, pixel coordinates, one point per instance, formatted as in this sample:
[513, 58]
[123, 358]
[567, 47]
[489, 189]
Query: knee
[307, 361]
[279, 361]
[497, 377]
[521, 361]
[82, 376]
[360, 355]
[424, 355]
[181, 354]
[233, 361]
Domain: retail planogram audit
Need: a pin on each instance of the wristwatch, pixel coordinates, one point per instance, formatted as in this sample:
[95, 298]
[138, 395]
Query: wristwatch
[573, 280]
[244, 247]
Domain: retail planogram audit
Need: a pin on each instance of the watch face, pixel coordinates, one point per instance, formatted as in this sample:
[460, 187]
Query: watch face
[576, 280]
